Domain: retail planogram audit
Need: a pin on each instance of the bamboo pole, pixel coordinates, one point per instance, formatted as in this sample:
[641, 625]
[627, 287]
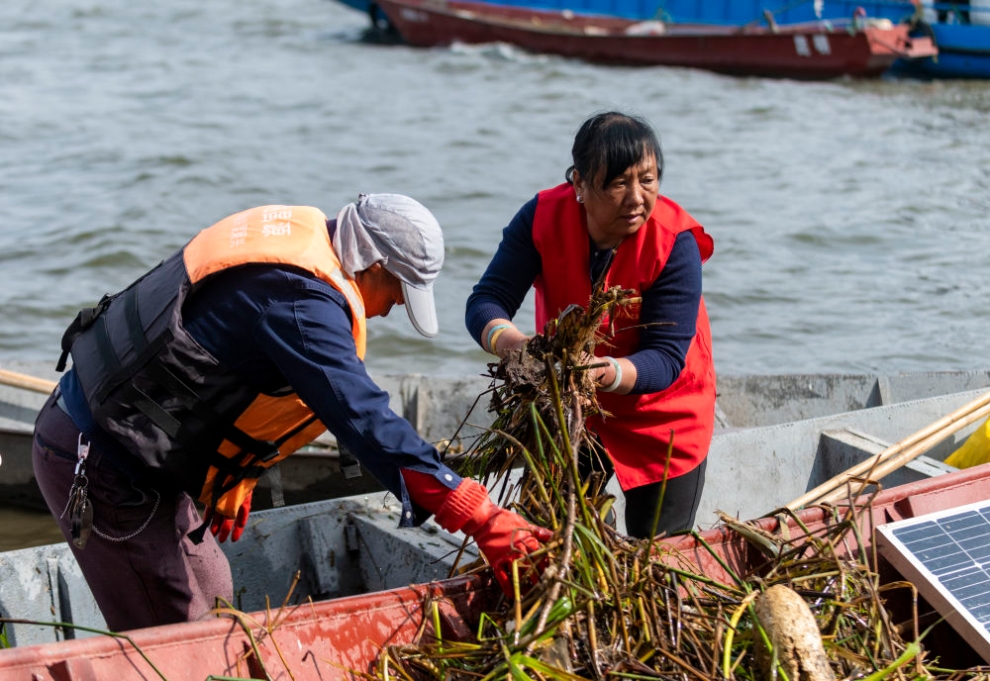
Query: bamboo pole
[38, 385]
[924, 439]
[892, 464]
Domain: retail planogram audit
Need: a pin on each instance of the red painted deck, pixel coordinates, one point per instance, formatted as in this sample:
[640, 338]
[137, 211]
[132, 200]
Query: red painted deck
[322, 641]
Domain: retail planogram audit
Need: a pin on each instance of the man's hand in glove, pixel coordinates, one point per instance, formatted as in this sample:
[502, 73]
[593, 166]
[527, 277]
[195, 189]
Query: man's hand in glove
[505, 537]
[222, 526]
[502, 536]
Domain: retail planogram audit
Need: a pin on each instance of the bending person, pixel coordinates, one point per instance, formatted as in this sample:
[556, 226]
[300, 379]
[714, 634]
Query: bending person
[658, 383]
[231, 354]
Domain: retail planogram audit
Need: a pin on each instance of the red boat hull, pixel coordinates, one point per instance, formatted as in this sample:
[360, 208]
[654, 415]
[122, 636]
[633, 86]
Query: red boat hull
[330, 639]
[807, 51]
[326, 640]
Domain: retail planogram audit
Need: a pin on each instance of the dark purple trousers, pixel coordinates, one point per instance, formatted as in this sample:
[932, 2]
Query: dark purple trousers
[148, 572]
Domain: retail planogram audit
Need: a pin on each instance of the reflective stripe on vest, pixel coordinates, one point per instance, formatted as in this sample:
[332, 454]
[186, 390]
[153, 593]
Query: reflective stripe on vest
[291, 235]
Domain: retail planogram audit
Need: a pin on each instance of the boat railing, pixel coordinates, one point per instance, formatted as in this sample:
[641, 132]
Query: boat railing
[773, 14]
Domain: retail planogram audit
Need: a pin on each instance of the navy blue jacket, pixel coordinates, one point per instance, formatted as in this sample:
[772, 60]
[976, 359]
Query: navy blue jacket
[276, 326]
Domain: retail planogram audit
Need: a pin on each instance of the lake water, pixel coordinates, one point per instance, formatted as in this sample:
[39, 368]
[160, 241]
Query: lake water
[850, 218]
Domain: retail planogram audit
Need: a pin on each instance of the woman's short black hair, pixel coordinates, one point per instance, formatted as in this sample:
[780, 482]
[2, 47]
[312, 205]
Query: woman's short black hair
[609, 143]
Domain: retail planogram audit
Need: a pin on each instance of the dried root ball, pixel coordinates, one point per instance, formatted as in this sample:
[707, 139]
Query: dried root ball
[794, 634]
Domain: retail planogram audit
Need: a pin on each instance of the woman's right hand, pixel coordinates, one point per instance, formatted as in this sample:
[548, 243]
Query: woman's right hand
[510, 341]
[502, 337]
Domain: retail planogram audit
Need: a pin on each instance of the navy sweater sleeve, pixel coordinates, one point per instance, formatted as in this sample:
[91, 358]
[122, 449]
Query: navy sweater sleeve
[510, 274]
[669, 311]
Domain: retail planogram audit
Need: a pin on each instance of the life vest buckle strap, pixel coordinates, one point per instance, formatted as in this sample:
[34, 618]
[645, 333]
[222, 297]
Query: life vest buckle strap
[125, 374]
[156, 413]
[83, 320]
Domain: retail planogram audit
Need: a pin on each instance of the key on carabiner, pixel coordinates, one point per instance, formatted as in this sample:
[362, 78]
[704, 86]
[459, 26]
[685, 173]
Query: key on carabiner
[82, 452]
[80, 516]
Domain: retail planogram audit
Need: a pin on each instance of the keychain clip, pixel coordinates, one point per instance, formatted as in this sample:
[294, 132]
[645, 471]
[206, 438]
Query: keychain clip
[82, 451]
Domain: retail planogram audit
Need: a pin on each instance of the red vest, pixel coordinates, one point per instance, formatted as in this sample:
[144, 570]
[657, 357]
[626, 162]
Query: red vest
[640, 427]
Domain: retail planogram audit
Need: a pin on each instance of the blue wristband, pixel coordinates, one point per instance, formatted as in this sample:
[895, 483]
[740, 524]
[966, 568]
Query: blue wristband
[491, 332]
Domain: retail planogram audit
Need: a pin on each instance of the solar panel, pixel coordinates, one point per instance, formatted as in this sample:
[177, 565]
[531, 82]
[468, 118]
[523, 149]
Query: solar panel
[946, 555]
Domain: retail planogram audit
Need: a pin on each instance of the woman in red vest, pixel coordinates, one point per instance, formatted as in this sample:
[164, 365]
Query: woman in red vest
[609, 223]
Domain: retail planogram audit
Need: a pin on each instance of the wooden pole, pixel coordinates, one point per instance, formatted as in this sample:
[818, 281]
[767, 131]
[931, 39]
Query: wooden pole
[892, 464]
[25, 382]
[929, 436]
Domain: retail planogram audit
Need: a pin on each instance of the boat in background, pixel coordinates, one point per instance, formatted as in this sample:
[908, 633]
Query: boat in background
[960, 30]
[448, 412]
[807, 51]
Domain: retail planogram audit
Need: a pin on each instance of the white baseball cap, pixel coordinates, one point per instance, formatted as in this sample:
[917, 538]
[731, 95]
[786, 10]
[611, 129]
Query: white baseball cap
[406, 238]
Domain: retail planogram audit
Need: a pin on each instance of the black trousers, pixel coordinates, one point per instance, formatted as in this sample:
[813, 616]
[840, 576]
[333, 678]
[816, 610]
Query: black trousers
[657, 509]
[139, 562]
[678, 510]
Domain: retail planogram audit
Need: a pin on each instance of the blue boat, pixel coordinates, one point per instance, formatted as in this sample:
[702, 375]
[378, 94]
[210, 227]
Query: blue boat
[960, 30]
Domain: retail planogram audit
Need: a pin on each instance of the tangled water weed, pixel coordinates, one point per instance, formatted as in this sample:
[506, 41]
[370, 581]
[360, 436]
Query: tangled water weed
[809, 604]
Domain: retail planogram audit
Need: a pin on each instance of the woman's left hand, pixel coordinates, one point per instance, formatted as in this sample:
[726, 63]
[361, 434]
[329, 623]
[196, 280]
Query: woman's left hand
[598, 367]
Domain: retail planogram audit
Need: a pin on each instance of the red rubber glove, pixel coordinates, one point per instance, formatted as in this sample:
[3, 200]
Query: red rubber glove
[222, 526]
[502, 536]
[505, 537]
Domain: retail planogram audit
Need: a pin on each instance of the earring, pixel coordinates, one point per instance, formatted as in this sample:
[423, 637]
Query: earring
[580, 199]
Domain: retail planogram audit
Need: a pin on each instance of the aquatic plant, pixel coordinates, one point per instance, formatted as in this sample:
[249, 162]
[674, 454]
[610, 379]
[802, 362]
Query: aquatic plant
[802, 604]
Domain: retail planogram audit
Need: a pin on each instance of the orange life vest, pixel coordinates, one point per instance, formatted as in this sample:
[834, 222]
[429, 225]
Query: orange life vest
[152, 387]
[637, 433]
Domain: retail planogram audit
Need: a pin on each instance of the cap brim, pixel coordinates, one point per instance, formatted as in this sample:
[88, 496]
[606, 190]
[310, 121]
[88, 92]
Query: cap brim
[421, 309]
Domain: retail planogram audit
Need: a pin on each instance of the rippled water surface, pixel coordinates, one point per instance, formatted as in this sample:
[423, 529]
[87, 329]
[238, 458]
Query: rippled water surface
[850, 218]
